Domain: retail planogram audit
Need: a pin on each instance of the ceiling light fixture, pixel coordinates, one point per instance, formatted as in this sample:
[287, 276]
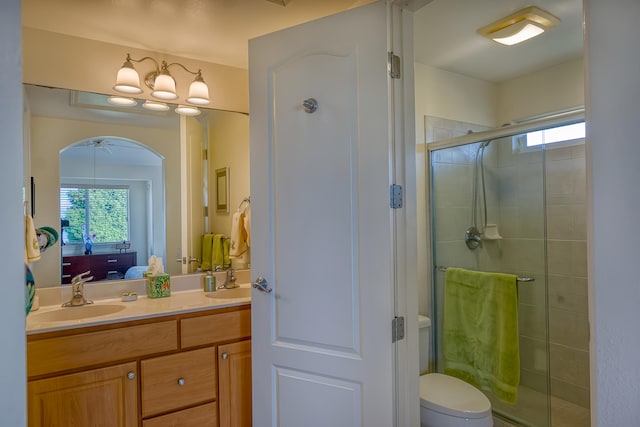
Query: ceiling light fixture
[161, 83]
[520, 26]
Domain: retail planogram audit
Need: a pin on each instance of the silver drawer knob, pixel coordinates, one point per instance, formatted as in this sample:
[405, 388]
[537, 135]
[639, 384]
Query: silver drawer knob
[181, 382]
[131, 375]
[225, 356]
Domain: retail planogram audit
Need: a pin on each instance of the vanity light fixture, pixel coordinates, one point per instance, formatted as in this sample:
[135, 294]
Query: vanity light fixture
[160, 81]
[187, 110]
[155, 106]
[122, 101]
[520, 26]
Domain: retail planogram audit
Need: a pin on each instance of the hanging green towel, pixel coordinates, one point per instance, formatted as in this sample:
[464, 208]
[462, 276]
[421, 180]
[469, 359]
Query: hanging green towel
[480, 339]
[207, 246]
[225, 253]
[217, 257]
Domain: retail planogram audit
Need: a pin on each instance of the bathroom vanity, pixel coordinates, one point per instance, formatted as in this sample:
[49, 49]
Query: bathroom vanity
[183, 360]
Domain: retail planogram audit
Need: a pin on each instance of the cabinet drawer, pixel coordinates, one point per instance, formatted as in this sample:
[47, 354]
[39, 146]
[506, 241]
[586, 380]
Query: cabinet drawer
[215, 328]
[114, 260]
[200, 416]
[93, 348]
[72, 266]
[178, 380]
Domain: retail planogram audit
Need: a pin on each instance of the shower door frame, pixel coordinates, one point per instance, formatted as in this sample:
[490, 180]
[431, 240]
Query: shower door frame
[561, 119]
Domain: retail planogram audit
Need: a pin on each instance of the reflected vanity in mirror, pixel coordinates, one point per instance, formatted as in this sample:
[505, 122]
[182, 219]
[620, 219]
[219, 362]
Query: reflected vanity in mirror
[123, 180]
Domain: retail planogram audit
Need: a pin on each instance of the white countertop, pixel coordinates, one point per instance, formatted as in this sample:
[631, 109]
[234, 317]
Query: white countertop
[187, 296]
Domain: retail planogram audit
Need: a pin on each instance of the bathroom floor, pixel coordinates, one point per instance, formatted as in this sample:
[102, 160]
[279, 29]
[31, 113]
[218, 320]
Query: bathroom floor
[563, 413]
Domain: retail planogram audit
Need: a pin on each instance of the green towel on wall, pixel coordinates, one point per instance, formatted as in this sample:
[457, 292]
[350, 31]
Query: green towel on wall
[225, 253]
[480, 340]
[207, 246]
[217, 257]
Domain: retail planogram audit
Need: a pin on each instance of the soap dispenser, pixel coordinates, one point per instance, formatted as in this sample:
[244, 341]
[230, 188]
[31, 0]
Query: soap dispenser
[209, 282]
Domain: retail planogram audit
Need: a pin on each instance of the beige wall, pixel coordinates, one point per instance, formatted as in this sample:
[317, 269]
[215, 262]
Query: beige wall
[57, 60]
[49, 136]
[440, 93]
[552, 89]
[228, 147]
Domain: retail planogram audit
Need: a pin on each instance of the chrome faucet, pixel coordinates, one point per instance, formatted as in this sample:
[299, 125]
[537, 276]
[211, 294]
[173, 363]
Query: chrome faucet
[77, 284]
[230, 280]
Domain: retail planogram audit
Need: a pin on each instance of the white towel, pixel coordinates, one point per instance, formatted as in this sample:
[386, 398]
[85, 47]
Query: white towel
[247, 225]
[238, 244]
[32, 248]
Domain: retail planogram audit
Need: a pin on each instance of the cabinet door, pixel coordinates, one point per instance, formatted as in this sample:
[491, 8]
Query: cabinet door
[234, 365]
[100, 397]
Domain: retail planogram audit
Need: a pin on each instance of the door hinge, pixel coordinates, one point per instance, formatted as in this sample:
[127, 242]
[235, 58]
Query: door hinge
[205, 211]
[394, 66]
[205, 154]
[395, 196]
[397, 329]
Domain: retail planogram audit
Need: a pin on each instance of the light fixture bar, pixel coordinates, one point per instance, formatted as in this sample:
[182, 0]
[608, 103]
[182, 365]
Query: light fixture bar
[161, 82]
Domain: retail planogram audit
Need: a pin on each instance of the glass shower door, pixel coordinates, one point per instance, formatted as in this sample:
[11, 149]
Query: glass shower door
[488, 214]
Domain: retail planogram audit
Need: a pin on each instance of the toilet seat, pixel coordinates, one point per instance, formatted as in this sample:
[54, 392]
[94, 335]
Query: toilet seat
[452, 396]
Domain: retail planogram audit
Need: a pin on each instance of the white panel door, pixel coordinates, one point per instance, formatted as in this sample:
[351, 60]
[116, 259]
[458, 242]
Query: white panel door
[322, 227]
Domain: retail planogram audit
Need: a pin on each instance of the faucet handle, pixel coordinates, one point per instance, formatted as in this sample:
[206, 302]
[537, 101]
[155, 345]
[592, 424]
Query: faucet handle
[81, 279]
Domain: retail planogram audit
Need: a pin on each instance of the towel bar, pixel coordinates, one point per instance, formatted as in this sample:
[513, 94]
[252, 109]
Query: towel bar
[518, 279]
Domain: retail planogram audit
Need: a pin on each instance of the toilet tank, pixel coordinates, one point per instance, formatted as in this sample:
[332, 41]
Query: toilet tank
[424, 330]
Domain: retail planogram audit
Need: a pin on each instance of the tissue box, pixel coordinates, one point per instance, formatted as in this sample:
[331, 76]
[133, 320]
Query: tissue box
[159, 286]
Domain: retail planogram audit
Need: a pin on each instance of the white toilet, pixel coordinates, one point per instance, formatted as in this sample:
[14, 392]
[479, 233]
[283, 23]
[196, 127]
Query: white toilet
[447, 401]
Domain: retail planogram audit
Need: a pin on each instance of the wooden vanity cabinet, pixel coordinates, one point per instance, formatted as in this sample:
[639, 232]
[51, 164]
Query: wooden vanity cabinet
[191, 369]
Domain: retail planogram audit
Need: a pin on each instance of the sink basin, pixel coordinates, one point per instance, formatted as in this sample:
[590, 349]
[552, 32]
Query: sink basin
[76, 313]
[230, 293]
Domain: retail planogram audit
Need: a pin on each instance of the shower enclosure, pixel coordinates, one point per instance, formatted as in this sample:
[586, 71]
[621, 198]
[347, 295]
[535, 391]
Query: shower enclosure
[501, 203]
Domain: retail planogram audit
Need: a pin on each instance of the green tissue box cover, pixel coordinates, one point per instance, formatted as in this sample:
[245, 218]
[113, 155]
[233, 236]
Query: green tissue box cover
[159, 286]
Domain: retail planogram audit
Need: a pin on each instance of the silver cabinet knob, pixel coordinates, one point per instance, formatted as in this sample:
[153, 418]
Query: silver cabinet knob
[181, 382]
[131, 375]
[225, 356]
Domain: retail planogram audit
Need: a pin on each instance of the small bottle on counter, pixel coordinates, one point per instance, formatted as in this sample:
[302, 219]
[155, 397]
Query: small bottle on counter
[209, 282]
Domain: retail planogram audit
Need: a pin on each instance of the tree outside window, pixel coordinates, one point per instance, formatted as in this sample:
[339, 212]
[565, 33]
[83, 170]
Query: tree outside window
[103, 210]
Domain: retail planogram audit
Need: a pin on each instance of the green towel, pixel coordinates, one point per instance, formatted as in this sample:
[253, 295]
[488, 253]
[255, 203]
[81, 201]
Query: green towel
[225, 253]
[480, 339]
[217, 257]
[207, 246]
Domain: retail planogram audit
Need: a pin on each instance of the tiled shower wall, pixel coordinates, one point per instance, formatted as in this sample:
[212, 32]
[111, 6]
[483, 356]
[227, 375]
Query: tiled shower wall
[567, 265]
[515, 200]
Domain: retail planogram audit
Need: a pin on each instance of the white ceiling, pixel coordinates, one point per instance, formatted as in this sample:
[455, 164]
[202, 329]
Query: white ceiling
[445, 37]
[218, 30]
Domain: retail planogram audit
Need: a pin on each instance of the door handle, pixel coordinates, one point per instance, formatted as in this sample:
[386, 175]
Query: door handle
[262, 285]
[184, 260]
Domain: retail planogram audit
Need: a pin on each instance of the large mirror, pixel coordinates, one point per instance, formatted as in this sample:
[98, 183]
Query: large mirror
[123, 184]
